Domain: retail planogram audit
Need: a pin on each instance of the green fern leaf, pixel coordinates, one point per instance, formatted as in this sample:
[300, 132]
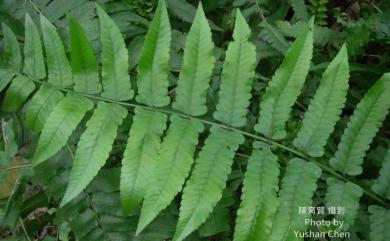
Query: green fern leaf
[298, 186]
[186, 12]
[153, 63]
[40, 106]
[300, 9]
[182, 9]
[237, 76]
[83, 60]
[346, 195]
[58, 67]
[17, 93]
[382, 184]
[34, 65]
[274, 37]
[5, 77]
[197, 67]
[94, 147]
[325, 108]
[60, 124]
[285, 86]
[11, 61]
[379, 223]
[140, 156]
[12, 56]
[175, 160]
[258, 200]
[115, 63]
[208, 179]
[362, 127]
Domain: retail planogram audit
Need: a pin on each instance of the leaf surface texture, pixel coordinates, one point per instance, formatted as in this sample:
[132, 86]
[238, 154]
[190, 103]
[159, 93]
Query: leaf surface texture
[94, 147]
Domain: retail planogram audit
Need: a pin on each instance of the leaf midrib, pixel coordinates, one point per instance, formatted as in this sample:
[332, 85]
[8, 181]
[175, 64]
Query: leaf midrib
[255, 136]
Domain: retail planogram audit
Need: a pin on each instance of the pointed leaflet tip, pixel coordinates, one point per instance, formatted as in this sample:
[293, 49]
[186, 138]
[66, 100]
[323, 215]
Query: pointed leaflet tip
[200, 6]
[241, 28]
[344, 48]
[161, 4]
[200, 11]
[311, 21]
[99, 9]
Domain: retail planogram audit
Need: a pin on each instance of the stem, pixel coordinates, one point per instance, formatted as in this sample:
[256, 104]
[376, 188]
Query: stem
[16, 167]
[24, 229]
[223, 126]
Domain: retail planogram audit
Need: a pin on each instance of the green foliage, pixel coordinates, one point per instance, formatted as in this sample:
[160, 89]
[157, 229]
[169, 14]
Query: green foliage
[83, 60]
[115, 163]
[298, 185]
[362, 127]
[208, 179]
[94, 147]
[382, 183]
[17, 93]
[153, 64]
[237, 77]
[176, 158]
[12, 58]
[285, 86]
[380, 225]
[325, 108]
[58, 67]
[300, 9]
[60, 124]
[34, 65]
[259, 200]
[40, 107]
[274, 37]
[140, 156]
[319, 9]
[115, 76]
[198, 63]
[343, 195]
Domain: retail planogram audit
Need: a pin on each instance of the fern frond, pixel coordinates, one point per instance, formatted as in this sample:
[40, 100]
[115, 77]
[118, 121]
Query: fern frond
[319, 9]
[140, 156]
[345, 195]
[34, 65]
[325, 108]
[237, 76]
[40, 106]
[115, 63]
[258, 200]
[285, 86]
[58, 67]
[94, 147]
[153, 63]
[274, 37]
[175, 160]
[362, 127]
[208, 179]
[182, 9]
[6, 77]
[379, 223]
[59, 125]
[85, 226]
[298, 186]
[382, 184]
[300, 9]
[83, 60]
[198, 63]
[17, 93]
[12, 57]
[11, 61]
